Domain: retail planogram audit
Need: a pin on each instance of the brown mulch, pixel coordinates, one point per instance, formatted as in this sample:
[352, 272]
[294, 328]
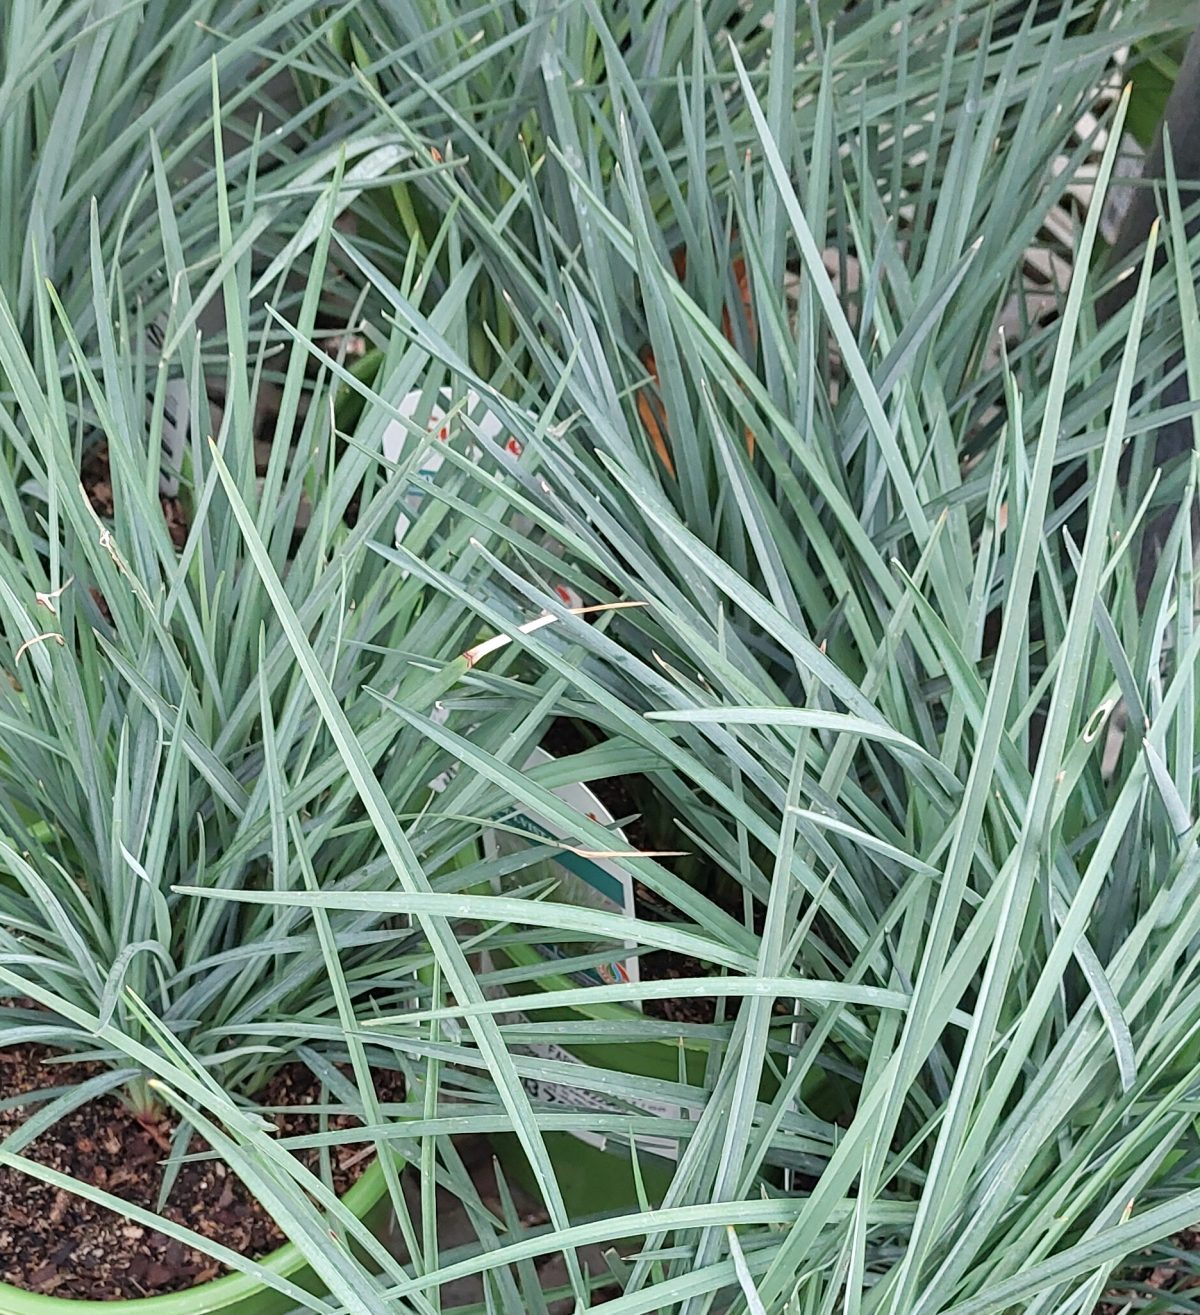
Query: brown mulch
[95, 476]
[661, 966]
[52, 1241]
[1164, 1277]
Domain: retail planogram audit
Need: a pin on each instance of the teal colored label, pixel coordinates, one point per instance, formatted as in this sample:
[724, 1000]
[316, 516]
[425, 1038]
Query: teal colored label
[577, 880]
[591, 874]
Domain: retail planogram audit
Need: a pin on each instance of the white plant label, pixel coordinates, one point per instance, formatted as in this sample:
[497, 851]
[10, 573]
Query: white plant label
[594, 883]
[398, 438]
[574, 1098]
[397, 441]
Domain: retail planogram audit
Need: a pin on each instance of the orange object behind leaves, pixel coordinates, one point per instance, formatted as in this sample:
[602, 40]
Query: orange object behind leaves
[649, 403]
[653, 414]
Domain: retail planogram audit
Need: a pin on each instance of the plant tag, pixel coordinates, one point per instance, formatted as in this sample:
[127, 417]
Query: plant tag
[575, 1098]
[594, 883]
[397, 439]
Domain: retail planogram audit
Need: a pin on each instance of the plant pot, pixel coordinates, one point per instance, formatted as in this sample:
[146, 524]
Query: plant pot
[232, 1294]
[595, 1177]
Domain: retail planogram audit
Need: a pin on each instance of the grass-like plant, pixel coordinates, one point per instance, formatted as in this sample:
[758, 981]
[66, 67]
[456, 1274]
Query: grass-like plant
[193, 675]
[157, 728]
[884, 628]
[94, 94]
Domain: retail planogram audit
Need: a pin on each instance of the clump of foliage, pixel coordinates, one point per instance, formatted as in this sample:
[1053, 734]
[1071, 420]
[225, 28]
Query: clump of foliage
[890, 671]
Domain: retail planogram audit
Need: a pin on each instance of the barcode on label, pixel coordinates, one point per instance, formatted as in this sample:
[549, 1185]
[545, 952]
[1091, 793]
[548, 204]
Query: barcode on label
[557, 1093]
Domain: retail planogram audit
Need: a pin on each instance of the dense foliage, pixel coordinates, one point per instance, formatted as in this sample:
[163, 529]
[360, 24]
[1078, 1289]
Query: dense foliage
[781, 325]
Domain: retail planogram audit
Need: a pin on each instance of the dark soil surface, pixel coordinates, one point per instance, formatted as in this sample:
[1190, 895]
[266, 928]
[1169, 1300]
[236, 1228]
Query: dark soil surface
[1169, 1270]
[661, 966]
[97, 484]
[52, 1241]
